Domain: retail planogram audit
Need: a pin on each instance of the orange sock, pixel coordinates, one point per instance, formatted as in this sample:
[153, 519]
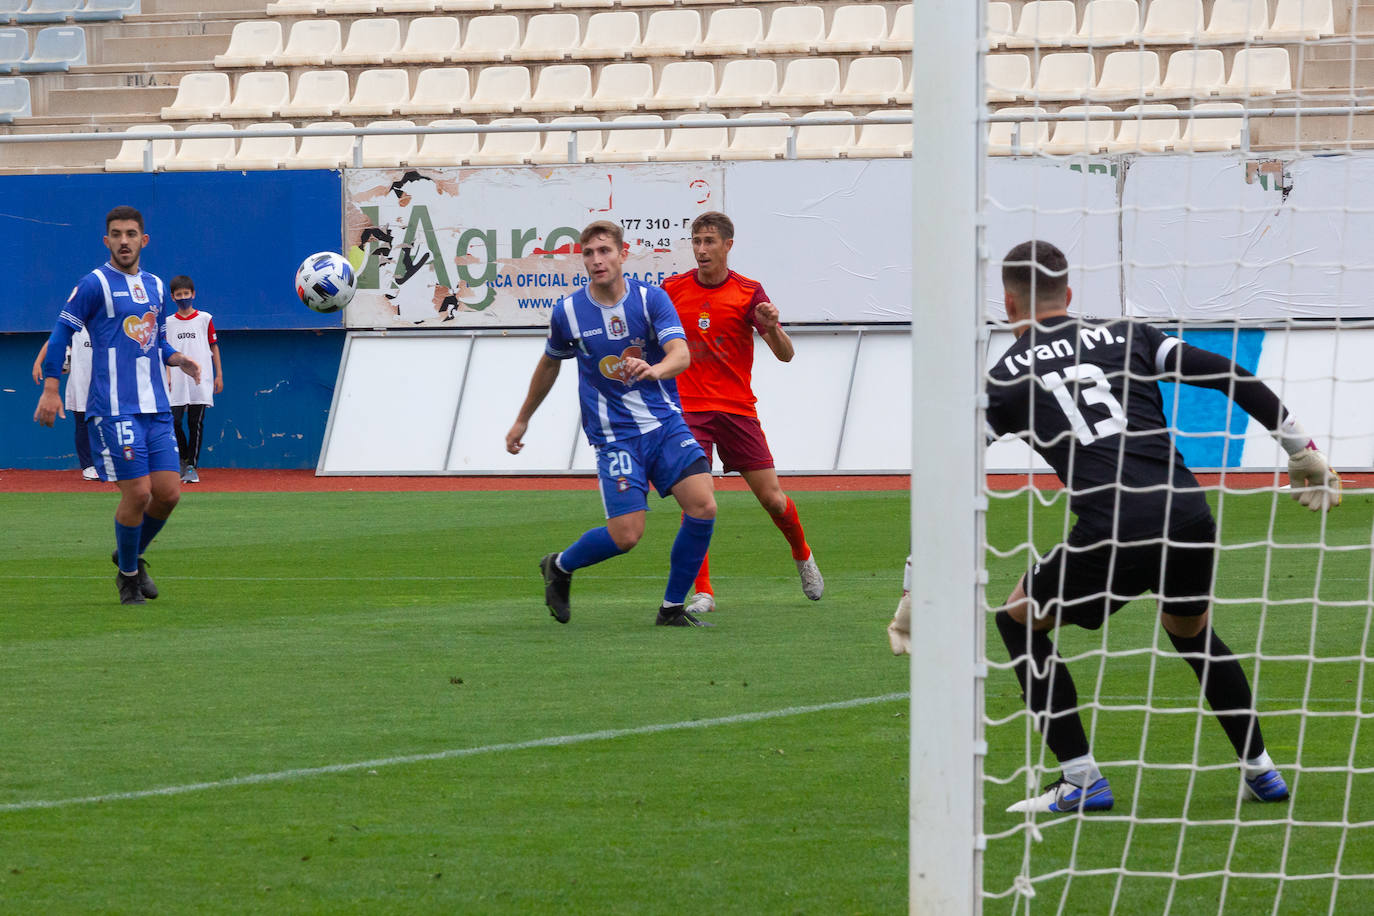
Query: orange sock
[791, 528]
[703, 583]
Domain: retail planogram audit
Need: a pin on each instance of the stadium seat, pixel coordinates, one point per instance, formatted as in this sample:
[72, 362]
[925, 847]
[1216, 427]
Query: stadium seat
[1192, 74]
[824, 141]
[999, 22]
[253, 43]
[1236, 20]
[901, 36]
[511, 147]
[745, 83]
[200, 154]
[199, 95]
[670, 33]
[107, 10]
[609, 35]
[319, 93]
[856, 27]
[350, 7]
[14, 47]
[389, 151]
[370, 41]
[1008, 76]
[621, 86]
[259, 94]
[1126, 75]
[331, 152]
[39, 11]
[549, 36]
[732, 31]
[430, 39]
[1064, 76]
[808, 82]
[57, 48]
[311, 42]
[10, 8]
[1212, 134]
[499, 89]
[871, 81]
[688, 144]
[1296, 20]
[793, 30]
[295, 7]
[560, 87]
[758, 142]
[438, 90]
[684, 84]
[1045, 24]
[466, 6]
[1109, 22]
[1146, 136]
[440, 150]
[390, 7]
[554, 146]
[489, 38]
[1081, 137]
[631, 145]
[15, 99]
[885, 140]
[130, 155]
[378, 92]
[1172, 22]
[1258, 71]
[1007, 138]
[257, 153]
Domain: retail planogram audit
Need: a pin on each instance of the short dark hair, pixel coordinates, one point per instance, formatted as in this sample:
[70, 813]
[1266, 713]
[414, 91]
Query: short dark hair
[180, 281]
[714, 219]
[604, 227]
[1036, 270]
[123, 212]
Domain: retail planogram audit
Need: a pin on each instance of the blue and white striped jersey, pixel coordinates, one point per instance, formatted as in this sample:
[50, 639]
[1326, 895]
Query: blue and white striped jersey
[126, 317]
[602, 337]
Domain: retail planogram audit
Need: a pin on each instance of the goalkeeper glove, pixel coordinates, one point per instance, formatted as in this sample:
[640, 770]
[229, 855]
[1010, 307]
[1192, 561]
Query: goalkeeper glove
[899, 630]
[1314, 484]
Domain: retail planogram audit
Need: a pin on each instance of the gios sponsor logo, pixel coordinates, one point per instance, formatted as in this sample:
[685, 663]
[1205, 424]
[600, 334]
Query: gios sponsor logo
[141, 328]
[613, 367]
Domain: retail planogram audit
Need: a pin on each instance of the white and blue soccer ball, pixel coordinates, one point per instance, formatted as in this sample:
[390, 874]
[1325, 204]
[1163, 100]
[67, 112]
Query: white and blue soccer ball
[326, 282]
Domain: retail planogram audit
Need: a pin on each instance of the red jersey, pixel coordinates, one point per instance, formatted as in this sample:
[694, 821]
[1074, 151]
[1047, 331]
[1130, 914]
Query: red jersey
[720, 323]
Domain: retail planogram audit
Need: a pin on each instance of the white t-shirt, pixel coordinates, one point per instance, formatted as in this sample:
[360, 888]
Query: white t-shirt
[193, 335]
[79, 371]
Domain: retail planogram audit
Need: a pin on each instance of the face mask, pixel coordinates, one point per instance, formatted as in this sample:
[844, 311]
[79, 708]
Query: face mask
[188, 302]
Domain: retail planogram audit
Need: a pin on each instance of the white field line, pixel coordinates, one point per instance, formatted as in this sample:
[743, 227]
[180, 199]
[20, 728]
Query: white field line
[556, 741]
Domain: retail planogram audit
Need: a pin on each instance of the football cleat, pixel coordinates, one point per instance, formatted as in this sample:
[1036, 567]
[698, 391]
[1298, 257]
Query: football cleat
[90, 473]
[129, 592]
[145, 581]
[813, 586]
[701, 603]
[1061, 797]
[190, 475]
[678, 616]
[1267, 787]
[557, 588]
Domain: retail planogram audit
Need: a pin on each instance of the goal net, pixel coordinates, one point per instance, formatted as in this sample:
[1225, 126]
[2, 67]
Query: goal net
[1156, 144]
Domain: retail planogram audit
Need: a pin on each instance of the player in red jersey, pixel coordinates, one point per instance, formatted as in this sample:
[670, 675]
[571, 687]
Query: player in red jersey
[720, 311]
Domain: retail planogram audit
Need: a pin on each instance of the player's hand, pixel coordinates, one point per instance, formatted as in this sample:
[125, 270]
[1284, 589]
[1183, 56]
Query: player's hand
[190, 367]
[219, 385]
[636, 370]
[767, 315]
[49, 407]
[38, 373]
[513, 437]
[1314, 484]
[899, 630]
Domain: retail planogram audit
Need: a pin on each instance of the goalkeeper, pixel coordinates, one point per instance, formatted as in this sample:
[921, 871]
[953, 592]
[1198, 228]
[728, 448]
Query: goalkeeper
[1085, 394]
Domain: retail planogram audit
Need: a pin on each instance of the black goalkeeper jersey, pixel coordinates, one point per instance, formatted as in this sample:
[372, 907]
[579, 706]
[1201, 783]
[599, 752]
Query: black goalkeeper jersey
[1085, 394]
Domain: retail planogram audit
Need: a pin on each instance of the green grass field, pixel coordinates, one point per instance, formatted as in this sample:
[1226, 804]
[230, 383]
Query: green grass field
[357, 703]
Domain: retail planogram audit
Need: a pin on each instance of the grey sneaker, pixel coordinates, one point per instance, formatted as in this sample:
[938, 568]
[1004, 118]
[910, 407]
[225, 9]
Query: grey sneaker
[145, 581]
[190, 476]
[701, 603]
[813, 585]
[129, 592]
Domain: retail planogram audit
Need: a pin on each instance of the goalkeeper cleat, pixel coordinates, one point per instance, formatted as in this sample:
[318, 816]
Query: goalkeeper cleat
[1267, 787]
[813, 586]
[557, 588]
[678, 616]
[129, 592]
[1062, 797]
[701, 603]
[899, 630]
[145, 581]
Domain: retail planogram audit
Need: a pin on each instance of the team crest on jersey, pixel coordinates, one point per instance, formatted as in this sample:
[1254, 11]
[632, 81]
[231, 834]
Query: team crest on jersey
[137, 292]
[613, 367]
[704, 321]
[142, 328]
[621, 484]
[128, 453]
[618, 329]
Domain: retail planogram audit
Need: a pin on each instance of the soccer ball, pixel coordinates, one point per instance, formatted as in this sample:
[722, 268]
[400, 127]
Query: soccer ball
[326, 282]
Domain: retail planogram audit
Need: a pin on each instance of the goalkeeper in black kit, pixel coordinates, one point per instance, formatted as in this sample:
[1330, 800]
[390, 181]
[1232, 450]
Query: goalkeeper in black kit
[1085, 394]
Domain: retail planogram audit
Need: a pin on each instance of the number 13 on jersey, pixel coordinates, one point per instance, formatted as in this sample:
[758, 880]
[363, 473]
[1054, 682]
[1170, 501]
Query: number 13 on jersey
[1099, 391]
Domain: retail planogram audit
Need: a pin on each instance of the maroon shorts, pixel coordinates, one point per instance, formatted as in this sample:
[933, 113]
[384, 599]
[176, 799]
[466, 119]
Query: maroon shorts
[739, 439]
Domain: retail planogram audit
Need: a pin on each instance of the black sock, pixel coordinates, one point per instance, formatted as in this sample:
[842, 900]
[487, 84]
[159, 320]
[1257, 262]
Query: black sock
[1226, 688]
[1051, 691]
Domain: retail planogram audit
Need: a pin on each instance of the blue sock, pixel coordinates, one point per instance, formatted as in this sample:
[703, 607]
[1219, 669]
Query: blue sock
[151, 526]
[689, 549]
[593, 547]
[126, 543]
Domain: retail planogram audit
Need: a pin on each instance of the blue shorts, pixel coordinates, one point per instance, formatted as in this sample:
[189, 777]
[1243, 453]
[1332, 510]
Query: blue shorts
[662, 457]
[133, 445]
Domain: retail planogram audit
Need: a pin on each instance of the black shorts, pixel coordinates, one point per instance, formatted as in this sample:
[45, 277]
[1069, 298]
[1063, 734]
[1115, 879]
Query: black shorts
[1084, 582]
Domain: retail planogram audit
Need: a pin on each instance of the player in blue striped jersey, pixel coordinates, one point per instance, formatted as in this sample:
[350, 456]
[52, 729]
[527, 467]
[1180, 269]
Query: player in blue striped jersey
[124, 309]
[629, 346]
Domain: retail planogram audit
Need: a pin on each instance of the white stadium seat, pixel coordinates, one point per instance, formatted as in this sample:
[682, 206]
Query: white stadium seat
[1006, 138]
[1045, 24]
[130, 155]
[631, 145]
[1143, 136]
[734, 30]
[1109, 22]
[1259, 71]
[856, 27]
[199, 95]
[688, 144]
[370, 41]
[793, 30]
[319, 93]
[549, 36]
[438, 90]
[670, 33]
[824, 141]
[808, 82]
[378, 92]
[1081, 137]
[259, 94]
[746, 83]
[758, 142]
[311, 43]
[430, 39]
[554, 146]
[513, 147]
[621, 86]
[1008, 76]
[900, 37]
[407, 6]
[1192, 74]
[1213, 134]
[684, 84]
[1296, 20]
[263, 152]
[1126, 75]
[886, 140]
[201, 154]
[389, 151]
[1064, 76]
[323, 152]
[609, 35]
[440, 150]
[871, 81]
[252, 44]
[499, 89]
[561, 87]
[1172, 22]
[489, 38]
[1000, 25]
[1236, 21]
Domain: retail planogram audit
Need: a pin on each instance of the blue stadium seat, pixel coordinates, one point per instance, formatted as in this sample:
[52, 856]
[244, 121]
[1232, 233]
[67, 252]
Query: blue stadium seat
[10, 8]
[14, 47]
[14, 99]
[58, 47]
[49, 10]
[107, 10]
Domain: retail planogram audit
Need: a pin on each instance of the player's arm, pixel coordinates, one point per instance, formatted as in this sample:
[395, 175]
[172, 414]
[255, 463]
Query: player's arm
[541, 383]
[38, 364]
[766, 319]
[219, 370]
[676, 359]
[50, 370]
